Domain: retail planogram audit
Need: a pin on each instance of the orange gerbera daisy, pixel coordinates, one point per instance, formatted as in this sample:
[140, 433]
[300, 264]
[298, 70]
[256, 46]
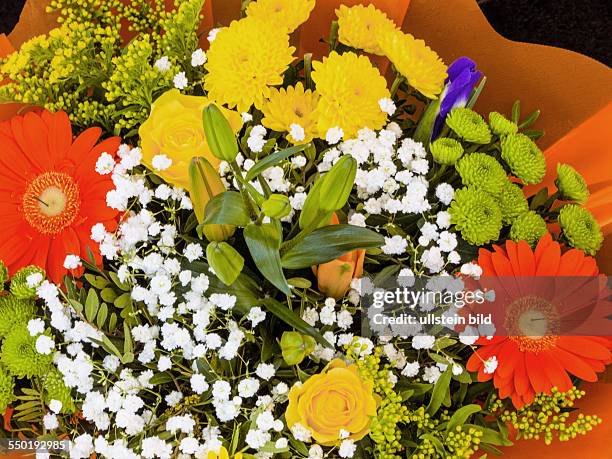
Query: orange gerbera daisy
[50, 193]
[531, 358]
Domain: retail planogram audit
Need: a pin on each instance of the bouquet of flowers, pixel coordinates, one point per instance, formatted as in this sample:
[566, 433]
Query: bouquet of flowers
[189, 237]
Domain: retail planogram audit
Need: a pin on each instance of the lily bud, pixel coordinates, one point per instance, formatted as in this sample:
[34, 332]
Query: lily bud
[219, 134]
[295, 347]
[334, 277]
[276, 206]
[205, 184]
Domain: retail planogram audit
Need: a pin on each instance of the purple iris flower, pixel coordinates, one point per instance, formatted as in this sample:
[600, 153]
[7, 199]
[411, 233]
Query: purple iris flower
[462, 78]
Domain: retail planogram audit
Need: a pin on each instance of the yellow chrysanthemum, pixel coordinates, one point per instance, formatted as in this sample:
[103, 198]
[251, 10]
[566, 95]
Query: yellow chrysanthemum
[286, 15]
[416, 61]
[350, 88]
[286, 107]
[246, 59]
[360, 27]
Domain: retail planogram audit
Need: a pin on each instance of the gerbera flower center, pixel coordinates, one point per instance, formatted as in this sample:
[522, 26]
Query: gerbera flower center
[532, 322]
[51, 202]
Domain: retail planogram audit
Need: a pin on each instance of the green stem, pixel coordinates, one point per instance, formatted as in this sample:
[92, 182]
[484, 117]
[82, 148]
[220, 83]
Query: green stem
[308, 71]
[245, 195]
[399, 79]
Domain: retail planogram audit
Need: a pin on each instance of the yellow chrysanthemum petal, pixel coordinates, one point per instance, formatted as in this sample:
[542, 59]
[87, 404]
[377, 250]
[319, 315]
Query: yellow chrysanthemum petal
[286, 15]
[350, 88]
[293, 105]
[245, 59]
[416, 61]
[360, 27]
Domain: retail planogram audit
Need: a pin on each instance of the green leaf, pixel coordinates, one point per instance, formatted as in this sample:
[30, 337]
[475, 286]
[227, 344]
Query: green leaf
[227, 208]
[122, 285]
[123, 301]
[272, 160]
[76, 305]
[425, 126]
[312, 215]
[160, 378]
[225, 261]
[461, 415]
[91, 305]
[102, 314]
[128, 346]
[97, 281]
[490, 436]
[516, 111]
[112, 322]
[476, 93]
[264, 244]
[338, 184]
[287, 315]
[328, 243]
[108, 294]
[439, 392]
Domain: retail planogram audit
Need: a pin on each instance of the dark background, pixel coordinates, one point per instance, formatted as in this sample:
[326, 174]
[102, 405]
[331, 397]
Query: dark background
[579, 25]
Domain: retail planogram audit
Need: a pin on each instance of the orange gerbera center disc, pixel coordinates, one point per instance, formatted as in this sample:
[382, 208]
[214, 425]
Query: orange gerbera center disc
[51, 202]
[532, 322]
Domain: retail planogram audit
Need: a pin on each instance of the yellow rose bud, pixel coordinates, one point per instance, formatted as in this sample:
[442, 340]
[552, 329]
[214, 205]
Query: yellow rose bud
[335, 399]
[175, 128]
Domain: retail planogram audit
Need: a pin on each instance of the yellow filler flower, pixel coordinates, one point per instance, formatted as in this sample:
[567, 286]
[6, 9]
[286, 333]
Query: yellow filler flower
[246, 59]
[416, 61]
[350, 88]
[285, 15]
[292, 110]
[361, 26]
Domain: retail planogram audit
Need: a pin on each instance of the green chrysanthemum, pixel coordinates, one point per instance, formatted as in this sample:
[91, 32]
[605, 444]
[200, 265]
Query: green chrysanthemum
[525, 159]
[446, 151]
[13, 312]
[468, 125]
[7, 385]
[4, 275]
[512, 202]
[476, 214]
[571, 184]
[19, 354]
[580, 228]
[55, 389]
[19, 283]
[528, 226]
[501, 125]
[479, 170]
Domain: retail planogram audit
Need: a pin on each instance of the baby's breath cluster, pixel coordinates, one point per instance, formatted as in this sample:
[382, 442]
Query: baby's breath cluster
[548, 417]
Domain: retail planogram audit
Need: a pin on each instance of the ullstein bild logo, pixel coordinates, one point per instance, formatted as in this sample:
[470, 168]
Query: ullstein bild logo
[488, 306]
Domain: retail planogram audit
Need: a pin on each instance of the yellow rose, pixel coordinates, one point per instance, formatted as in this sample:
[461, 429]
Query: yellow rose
[222, 454]
[333, 400]
[174, 128]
